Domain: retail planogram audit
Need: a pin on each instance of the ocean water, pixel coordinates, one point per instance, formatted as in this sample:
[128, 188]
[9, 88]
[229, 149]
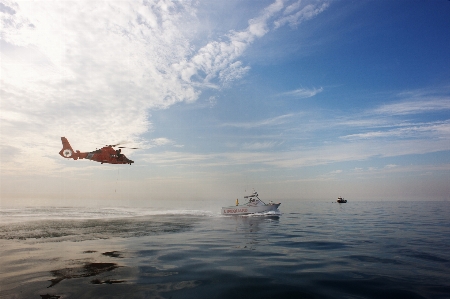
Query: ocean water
[309, 250]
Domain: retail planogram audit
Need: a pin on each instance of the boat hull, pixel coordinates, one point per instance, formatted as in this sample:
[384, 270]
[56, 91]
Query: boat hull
[341, 200]
[246, 210]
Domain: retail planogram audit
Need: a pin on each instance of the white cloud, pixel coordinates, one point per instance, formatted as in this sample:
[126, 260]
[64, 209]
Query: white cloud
[389, 166]
[409, 169]
[212, 101]
[422, 130]
[233, 72]
[161, 141]
[91, 71]
[320, 155]
[296, 14]
[176, 158]
[302, 92]
[218, 59]
[336, 171]
[418, 101]
[259, 145]
[414, 107]
[265, 122]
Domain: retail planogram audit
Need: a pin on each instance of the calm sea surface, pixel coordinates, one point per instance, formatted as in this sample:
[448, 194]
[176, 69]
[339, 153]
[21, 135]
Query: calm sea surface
[312, 250]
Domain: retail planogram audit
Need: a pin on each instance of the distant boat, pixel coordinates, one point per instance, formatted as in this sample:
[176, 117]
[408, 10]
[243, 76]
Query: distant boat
[254, 205]
[341, 200]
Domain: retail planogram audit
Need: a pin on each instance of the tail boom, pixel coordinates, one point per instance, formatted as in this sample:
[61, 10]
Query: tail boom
[68, 152]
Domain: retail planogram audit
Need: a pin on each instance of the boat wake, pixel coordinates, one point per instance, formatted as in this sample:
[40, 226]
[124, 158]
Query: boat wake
[8, 216]
[79, 224]
[276, 213]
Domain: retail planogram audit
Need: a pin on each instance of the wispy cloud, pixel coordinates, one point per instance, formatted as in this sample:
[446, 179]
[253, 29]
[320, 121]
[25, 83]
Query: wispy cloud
[336, 171]
[414, 107]
[295, 13]
[161, 141]
[393, 168]
[305, 157]
[390, 166]
[97, 79]
[417, 101]
[302, 93]
[218, 59]
[265, 122]
[260, 145]
[422, 130]
[101, 76]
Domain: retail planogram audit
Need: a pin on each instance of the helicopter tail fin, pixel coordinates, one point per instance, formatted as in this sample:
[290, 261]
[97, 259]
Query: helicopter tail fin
[67, 151]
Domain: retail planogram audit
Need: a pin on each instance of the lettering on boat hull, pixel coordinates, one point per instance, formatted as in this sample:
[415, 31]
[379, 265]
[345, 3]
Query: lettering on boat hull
[235, 211]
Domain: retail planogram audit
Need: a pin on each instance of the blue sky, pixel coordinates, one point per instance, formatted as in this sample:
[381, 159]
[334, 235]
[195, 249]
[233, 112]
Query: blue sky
[304, 100]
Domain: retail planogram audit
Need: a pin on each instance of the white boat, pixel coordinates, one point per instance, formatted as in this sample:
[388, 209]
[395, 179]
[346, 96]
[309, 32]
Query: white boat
[254, 205]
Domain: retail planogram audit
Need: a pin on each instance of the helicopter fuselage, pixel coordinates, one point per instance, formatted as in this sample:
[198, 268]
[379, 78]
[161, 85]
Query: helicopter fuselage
[106, 154]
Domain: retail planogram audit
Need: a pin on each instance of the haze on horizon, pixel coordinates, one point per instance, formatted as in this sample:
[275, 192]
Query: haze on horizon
[304, 100]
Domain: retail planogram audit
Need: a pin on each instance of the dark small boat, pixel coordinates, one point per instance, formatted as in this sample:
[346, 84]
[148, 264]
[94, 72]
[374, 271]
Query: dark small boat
[341, 200]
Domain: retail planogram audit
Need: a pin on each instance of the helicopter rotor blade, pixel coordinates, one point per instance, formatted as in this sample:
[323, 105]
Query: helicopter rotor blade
[119, 143]
[128, 147]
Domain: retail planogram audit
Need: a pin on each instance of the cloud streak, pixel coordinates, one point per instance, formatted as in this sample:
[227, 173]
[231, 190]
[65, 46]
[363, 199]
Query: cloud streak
[302, 93]
[274, 121]
[312, 156]
[414, 107]
[429, 130]
[417, 101]
[295, 14]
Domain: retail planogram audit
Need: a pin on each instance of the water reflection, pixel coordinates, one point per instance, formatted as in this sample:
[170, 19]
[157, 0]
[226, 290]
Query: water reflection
[252, 231]
[324, 250]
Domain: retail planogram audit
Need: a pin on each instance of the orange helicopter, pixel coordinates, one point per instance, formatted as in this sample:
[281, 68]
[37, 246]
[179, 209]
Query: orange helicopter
[106, 154]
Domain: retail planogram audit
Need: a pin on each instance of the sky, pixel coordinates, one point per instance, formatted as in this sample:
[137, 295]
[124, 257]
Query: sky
[300, 100]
